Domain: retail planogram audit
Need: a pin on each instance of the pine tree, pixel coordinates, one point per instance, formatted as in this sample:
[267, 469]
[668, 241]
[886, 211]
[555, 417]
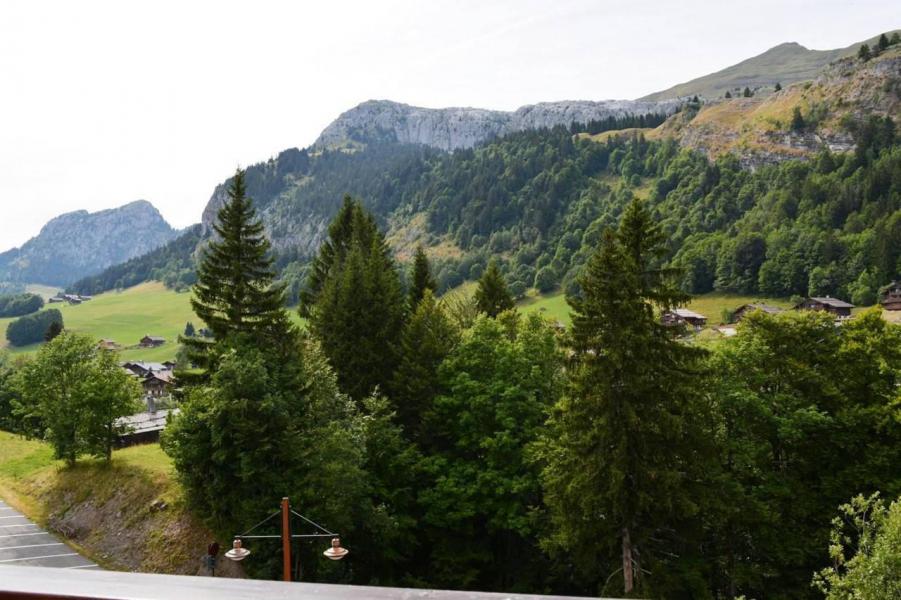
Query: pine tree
[421, 279]
[728, 94]
[864, 52]
[797, 123]
[235, 293]
[623, 441]
[427, 340]
[492, 296]
[896, 38]
[359, 309]
[778, 87]
[189, 329]
[351, 225]
[747, 92]
[883, 42]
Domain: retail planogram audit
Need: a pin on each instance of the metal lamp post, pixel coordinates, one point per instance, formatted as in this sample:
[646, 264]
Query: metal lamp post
[335, 552]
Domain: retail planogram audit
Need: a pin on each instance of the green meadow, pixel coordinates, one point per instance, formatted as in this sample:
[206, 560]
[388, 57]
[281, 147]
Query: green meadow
[712, 305]
[126, 316]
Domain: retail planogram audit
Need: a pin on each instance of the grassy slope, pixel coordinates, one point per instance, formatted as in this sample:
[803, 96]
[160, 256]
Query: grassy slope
[106, 511]
[554, 305]
[785, 63]
[127, 316]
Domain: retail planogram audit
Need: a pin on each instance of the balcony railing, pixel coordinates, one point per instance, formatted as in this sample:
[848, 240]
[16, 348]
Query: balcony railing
[37, 583]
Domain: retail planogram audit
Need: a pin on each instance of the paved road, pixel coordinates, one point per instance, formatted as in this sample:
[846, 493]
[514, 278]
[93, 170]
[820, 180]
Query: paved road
[22, 544]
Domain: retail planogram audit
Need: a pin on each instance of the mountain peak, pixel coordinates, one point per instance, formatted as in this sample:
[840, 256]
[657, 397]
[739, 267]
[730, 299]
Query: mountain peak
[80, 243]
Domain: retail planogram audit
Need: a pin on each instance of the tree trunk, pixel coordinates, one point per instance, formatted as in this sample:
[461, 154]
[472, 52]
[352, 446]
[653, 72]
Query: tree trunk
[628, 576]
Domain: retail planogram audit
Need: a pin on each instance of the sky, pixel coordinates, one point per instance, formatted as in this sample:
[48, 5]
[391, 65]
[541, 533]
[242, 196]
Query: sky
[103, 103]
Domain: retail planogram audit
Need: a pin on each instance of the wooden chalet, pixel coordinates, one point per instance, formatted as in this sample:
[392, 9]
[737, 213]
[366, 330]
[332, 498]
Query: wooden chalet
[151, 341]
[683, 316]
[890, 296]
[157, 384]
[739, 313]
[105, 344]
[837, 307]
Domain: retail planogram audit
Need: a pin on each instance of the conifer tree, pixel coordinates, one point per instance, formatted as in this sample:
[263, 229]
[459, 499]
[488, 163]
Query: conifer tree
[864, 52]
[235, 293]
[747, 92]
[351, 224]
[797, 123]
[896, 38]
[777, 87]
[728, 94]
[427, 340]
[622, 443]
[492, 296]
[421, 278]
[358, 310]
[883, 42]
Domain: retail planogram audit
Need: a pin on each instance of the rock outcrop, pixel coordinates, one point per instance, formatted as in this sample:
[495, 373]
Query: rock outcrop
[455, 128]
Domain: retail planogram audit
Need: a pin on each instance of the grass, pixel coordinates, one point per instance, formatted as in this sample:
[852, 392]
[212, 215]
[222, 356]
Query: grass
[712, 305]
[128, 315]
[126, 515]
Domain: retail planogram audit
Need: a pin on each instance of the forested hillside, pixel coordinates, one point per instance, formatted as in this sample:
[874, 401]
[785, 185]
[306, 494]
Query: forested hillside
[797, 193]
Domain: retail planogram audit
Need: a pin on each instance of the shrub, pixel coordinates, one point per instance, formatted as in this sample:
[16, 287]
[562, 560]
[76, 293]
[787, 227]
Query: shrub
[20, 304]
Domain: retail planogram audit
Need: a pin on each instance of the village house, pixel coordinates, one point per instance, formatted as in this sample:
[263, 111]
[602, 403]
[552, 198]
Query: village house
[144, 427]
[739, 313]
[839, 308]
[105, 344]
[890, 296]
[151, 341]
[142, 369]
[683, 316]
[157, 384]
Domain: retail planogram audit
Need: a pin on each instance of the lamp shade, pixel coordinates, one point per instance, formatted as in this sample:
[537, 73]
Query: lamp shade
[336, 552]
[237, 553]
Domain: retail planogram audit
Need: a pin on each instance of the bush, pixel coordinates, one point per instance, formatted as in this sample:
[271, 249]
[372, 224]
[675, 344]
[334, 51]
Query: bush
[31, 329]
[20, 304]
[545, 279]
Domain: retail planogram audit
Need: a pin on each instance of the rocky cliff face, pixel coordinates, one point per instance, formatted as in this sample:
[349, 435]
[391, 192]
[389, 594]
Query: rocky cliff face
[454, 128]
[78, 244]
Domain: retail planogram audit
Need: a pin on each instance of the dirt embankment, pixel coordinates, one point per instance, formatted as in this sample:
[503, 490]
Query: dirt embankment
[127, 515]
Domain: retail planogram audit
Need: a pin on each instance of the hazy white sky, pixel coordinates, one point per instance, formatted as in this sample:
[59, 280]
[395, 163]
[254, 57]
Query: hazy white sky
[102, 103]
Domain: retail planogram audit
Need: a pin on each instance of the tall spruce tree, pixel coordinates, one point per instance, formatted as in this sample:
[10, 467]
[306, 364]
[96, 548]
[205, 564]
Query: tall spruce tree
[421, 279]
[352, 225]
[235, 293]
[492, 296]
[428, 338]
[358, 310]
[622, 448]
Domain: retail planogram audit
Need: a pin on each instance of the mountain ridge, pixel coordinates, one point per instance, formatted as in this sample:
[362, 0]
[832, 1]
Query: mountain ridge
[453, 128]
[785, 63]
[80, 243]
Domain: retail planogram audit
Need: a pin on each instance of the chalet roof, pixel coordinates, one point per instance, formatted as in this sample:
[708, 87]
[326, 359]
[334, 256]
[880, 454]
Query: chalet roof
[154, 338]
[144, 422]
[833, 302]
[688, 314]
[164, 376]
[764, 307]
